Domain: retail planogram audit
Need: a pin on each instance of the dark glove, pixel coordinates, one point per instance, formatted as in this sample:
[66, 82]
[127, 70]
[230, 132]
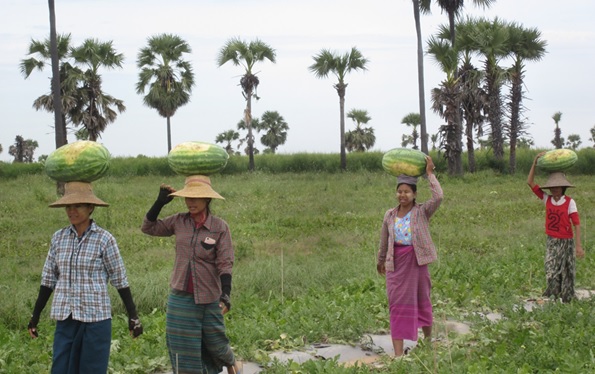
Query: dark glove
[42, 298]
[135, 327]
[226, 290]
[162, 199]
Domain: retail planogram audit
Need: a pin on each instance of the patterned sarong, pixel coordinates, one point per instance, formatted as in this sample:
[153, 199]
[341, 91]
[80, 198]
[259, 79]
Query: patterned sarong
[195, 335]
[408, 290]
[559, 268]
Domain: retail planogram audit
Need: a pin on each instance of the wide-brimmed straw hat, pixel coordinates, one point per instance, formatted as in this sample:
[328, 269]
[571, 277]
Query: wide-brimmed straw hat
[197, 186]
[557, 179]
[78, 193]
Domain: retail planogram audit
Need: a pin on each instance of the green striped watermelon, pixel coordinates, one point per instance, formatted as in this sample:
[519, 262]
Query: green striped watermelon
[406, 161]
[197, 158]
[81, 161]
[557, 160]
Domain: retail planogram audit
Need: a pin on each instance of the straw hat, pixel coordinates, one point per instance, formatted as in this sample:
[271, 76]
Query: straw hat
[78, 193]
[197, 186]
[557, 179]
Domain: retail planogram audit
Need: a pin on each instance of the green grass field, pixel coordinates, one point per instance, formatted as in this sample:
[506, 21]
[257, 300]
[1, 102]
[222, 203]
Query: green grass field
[305, 270]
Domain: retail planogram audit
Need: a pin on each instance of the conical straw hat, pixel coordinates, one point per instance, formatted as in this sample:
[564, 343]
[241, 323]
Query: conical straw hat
[78, 193]
[557, 179]
[197, 186]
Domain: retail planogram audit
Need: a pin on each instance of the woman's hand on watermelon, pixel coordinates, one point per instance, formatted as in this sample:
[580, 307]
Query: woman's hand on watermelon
[429, 165]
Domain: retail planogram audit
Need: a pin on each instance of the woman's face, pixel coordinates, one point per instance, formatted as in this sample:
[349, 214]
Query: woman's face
[196, 205]
[556, 192]
[79, 213]
[405, 194]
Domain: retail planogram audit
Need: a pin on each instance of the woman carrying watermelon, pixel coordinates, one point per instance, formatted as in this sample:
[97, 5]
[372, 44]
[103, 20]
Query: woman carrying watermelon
[81, 260]
[201, 279]
[405, 250]
[561, 215]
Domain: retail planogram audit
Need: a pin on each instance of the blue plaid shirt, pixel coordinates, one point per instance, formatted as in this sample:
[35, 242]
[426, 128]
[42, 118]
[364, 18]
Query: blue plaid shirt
[78, 271]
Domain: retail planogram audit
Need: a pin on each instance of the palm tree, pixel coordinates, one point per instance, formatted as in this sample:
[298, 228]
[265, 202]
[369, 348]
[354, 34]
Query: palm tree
[247, 55]
[276, 130]
[59, 122]
[421, 6]
[558, 141]
[23, 150]
[228, 137]
[41, 54]
[362, 138]
[327, 62]
[592, 138]
[434, 139]
[454, 9]
[168, 77]
[490, 40]
[412, 120]
[94, 107]
[446, 101]
[473, 105]
[574, 141]
[525, 45]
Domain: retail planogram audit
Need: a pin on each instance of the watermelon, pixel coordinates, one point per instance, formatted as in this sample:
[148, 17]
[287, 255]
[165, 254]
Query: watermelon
[557, 160]
[197, 158]
[406, 161]
[81, 161]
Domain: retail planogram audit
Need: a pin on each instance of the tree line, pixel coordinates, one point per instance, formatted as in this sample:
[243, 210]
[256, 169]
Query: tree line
[469, 99]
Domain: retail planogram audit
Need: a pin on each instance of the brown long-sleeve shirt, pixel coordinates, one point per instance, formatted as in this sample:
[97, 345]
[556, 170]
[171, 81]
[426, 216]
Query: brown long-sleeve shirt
[207, 252]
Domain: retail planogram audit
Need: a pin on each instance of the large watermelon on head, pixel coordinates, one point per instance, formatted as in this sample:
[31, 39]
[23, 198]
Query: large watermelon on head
[406, 161]
[557, 160]
[82, 161]
[197, 158]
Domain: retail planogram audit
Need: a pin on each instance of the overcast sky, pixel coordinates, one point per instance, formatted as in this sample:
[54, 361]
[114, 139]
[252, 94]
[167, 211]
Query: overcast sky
[383, 30]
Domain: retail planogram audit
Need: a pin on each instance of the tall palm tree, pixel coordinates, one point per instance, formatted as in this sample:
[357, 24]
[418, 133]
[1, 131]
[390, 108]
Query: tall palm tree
[362, 138]
[168, 77]
[241, 53]
[412, 120]
[525, 45]
[489, 39]
[446, 101]
[59, 123]
[474, 98]
[421, 6]
[227, 137]
[327, 62]
[276, 130]
[94, 108]
[558, 140]
[41, 54]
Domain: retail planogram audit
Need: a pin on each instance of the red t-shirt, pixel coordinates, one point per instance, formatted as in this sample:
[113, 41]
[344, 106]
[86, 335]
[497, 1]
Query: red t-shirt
[559, 215]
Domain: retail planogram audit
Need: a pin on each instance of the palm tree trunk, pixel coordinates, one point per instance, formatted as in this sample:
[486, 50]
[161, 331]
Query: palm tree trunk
[59, 124]
[168, 134]
[470, 149]
[341, 92]
[420, 78]
[515, 125]
[248, 120]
